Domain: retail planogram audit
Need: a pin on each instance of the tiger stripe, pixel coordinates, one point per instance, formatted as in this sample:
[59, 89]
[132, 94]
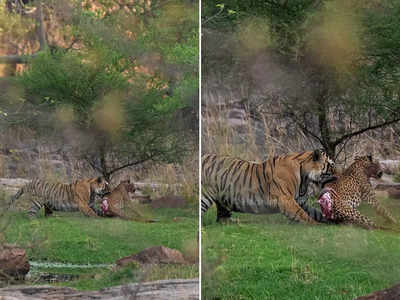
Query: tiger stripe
[77, 196]
[277, 184]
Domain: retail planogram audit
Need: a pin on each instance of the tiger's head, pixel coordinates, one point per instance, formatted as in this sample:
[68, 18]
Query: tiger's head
[99, 186]
[130, 187]
[318, 166]
[367, 165]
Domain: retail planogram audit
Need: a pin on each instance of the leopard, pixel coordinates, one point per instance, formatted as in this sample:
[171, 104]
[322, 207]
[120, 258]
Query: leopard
[340, 199]
[114, 203]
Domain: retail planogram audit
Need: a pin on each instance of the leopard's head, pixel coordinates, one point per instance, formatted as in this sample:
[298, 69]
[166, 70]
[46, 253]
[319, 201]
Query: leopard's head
[128, 185]
[367, 164]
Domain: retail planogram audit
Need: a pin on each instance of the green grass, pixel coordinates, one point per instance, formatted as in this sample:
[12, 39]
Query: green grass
[268, 257]
[73, 238]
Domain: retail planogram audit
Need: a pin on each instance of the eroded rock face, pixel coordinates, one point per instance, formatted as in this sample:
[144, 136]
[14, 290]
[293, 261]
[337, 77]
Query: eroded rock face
[154, 255]
[392, 293]
[163, 289]
[13, 262]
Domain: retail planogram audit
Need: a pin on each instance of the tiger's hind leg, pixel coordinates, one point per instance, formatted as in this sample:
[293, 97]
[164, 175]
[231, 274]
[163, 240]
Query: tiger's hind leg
[223, 214]
[35, 208]
[47, 210]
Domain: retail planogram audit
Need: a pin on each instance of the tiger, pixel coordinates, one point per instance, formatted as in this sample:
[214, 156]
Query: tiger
[275, 185]
[76, 196]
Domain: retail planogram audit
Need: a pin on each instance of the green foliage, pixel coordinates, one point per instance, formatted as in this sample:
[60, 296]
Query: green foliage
[285, 19]
[174, 35]
[342, 52]
[14, 26]
[126, 87]
[153, 128]
[68, 79]
[269, 257]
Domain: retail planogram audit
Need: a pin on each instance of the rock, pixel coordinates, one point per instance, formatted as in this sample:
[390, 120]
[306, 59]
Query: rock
[169, 202]
[392, 293]
[13, 262]
[387, 186]
[18, 182]
[154, 255]
[142, 199]
[12, 185]
[390, 166]
[394, 193]
[186, 289]
[385, 183]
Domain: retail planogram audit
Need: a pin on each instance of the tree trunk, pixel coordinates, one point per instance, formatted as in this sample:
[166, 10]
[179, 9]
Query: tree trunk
[103, 164]
[323, 123]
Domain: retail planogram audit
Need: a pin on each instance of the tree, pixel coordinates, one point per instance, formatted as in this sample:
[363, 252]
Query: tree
[337, 57]
[118, 89]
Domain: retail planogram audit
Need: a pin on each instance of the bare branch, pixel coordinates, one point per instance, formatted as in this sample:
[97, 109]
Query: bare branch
[350, 135]
[131, 164]
[304, 128]
[93, 165]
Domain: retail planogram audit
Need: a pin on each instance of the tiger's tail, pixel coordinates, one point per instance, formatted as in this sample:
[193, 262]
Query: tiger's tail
[27, 188]
[15, 197]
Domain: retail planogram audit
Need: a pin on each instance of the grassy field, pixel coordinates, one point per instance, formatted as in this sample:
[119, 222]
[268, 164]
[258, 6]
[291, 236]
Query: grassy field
[73, 238]
[269, 257]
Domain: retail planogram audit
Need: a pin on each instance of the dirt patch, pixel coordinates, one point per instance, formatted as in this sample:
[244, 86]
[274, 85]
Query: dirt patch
[169, 202]
[392, 293]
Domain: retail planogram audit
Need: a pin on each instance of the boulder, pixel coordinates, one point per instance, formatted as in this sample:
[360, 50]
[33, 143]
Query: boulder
[390, 166]
[391, 191]
[142, 199]
[13, 262]
[385, 183]
[392, 293]
[169, 202]
[154, 255]
[394, 193]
